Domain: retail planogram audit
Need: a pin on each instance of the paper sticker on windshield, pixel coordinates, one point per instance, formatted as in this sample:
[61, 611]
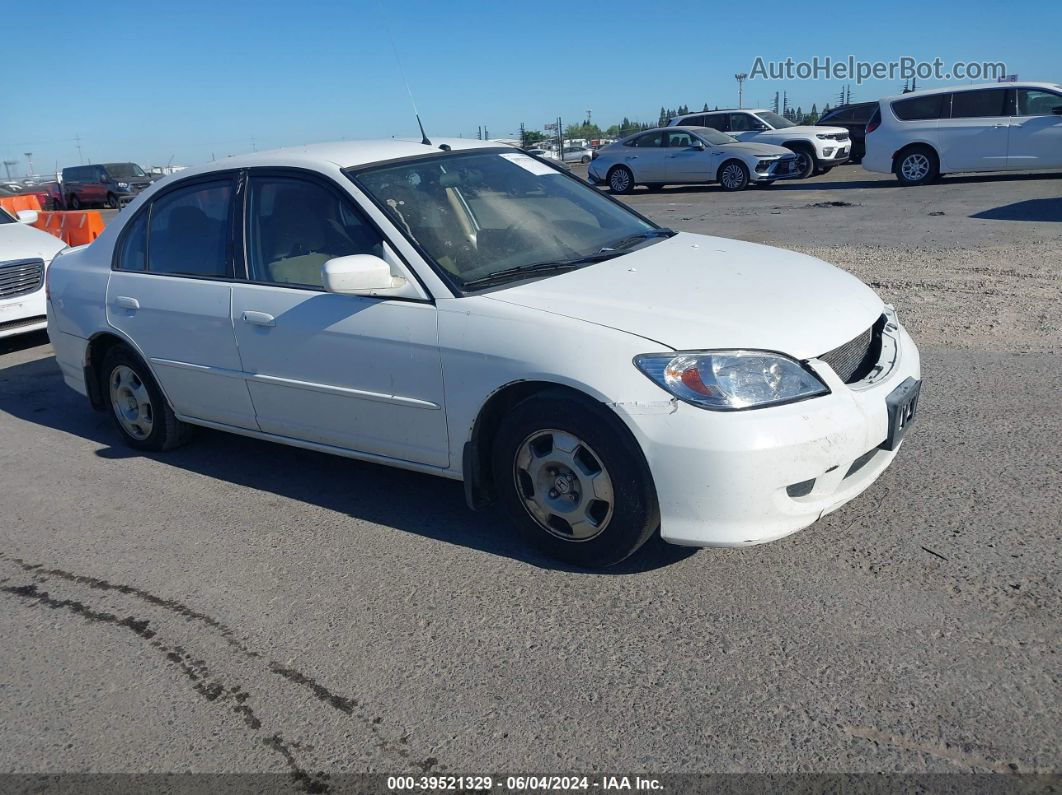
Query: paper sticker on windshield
[528, 163]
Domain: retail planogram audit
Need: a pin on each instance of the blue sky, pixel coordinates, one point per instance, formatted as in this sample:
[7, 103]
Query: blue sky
[191, 80]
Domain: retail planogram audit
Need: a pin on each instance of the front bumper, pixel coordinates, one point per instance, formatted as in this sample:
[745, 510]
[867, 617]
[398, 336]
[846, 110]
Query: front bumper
[722, 477]
[840, 152]
[783, 168]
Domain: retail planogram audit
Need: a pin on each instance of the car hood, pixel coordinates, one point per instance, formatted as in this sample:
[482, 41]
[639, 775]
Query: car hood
[694, 292]
[755, 149]
[804, 129]
[21, 241]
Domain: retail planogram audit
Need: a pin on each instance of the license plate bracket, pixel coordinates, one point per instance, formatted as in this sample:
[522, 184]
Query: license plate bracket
[902, 405]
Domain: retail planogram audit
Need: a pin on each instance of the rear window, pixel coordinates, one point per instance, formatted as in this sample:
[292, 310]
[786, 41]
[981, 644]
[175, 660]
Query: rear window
[918, 108]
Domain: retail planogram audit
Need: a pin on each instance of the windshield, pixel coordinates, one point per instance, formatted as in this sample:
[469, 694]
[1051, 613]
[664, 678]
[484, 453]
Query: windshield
[5, 218]
[775, 120]
[477, 214]
[124, 170]
[712, 136]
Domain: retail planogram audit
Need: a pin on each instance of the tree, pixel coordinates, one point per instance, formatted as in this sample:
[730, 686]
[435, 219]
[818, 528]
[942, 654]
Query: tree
[531, 137]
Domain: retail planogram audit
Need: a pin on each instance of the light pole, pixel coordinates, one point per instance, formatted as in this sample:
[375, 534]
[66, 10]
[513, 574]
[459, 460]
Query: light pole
[29, 159]
[741, 87]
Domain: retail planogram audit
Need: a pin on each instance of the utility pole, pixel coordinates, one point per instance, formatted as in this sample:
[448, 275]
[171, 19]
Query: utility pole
[560, 138]
[740, 77]
[80, 158]
[588, 112]
[29, 159]
[523, 135]
[7, 166]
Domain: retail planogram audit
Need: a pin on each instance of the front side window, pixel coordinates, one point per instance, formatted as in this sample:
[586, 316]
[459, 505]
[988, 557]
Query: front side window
[977, 104]
[1034, 102]
[681, 140]
[189, 231]
[918, 108]
[296, 225]
[477, 214]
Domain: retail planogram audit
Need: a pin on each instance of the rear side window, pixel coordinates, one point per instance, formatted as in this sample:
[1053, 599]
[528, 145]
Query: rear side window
[694, 121]
[717, 121]
[189, 231]
[977, 104]
[132, 251]
[918, 108]
[863, 113]
[648, 140]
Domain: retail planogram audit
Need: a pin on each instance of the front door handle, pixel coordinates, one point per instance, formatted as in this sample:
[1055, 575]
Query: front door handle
[125, 302]
[259, 318]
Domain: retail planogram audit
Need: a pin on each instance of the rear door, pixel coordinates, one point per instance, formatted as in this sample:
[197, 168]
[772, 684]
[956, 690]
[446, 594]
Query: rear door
[745, 126]
[646, 157]
[170, 293]
[973, 136]
[1035, 134]
[717, 121]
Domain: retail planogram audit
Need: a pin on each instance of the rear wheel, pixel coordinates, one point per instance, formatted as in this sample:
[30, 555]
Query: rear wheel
[733, 176]
[136, 404]
[73, 202]
[112, 201]
[584, 159]
[574, 482]
[917, 166]
[620, 180]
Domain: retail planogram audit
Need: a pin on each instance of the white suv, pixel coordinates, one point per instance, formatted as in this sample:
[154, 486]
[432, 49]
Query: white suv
[818, 149]
[991, 127]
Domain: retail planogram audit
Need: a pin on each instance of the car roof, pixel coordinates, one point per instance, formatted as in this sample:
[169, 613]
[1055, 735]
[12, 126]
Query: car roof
[972, 87]
[344, 154]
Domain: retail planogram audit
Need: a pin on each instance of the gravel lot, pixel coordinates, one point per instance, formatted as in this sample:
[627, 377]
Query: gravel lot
[241, 606]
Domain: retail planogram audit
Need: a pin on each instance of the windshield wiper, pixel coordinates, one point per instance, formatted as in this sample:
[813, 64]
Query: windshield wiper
[510, 274]
[629, 241]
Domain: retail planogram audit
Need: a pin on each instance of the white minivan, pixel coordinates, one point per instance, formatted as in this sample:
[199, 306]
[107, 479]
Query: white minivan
[991, 127]
[463, 309]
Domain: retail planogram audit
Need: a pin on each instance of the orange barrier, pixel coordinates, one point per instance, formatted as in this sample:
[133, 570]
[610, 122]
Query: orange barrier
[76, 227]
[15, 203]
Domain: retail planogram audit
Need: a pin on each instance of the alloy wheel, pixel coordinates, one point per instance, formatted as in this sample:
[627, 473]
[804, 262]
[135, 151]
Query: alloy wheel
[131, 402]
[915, 167]
[563, 485]
[733, 177]
[619, 180]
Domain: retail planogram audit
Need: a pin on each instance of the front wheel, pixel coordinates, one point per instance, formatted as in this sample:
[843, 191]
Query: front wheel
[574, 482]
[733, 176]
[584, 159]
[112, 201]
[805, 163]
[136, 404]
[620, 180]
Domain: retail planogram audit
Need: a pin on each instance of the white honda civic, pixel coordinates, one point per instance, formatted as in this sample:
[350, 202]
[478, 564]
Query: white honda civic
[467, 310]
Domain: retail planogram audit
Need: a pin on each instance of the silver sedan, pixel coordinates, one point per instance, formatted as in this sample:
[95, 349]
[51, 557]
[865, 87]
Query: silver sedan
[671, 155]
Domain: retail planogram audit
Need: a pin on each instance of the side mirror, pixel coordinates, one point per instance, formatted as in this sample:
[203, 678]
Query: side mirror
[359, 274]
[27, 217]
[1057, 110]
[698, 145]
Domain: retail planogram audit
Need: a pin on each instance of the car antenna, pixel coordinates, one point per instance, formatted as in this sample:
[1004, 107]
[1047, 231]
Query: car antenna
[423, 135]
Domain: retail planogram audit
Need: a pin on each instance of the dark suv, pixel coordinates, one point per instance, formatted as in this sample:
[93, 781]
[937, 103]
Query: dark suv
[105, 184]
[853, 118]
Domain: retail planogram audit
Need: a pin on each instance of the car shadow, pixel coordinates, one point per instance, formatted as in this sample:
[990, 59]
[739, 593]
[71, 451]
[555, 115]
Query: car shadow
[426, 505]
[23, 342]
[1048, 209]
[820, 183]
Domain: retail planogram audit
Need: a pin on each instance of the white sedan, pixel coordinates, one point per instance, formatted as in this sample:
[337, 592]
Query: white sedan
[689, 155]
[25, 253]
[463, 309]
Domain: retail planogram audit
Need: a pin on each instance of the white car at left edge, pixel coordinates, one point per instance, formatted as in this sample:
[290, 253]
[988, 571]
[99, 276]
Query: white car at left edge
[25, 253]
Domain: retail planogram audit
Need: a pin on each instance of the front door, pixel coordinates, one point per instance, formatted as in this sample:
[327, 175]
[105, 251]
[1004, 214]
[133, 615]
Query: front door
[974, 138]
[688, 163]
[1036, 130]
[355, 372]
[170, 294]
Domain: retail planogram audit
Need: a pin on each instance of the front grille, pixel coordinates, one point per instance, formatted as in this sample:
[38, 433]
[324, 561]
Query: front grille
[20, 277]
[854, 360]
[25, 321]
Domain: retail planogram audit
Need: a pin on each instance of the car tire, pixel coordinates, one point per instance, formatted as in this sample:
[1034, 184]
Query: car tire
[112, 202]
[584, 160]
[620, 180]
[552, 450]
[805, 161]
[73, 202]
[137, 406]
[916, 166]
[733, 176]
[763, 183]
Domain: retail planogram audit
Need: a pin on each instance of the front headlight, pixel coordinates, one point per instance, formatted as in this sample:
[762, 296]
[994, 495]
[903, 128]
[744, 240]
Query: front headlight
[123, 184]
[823, 136]
[731, 380]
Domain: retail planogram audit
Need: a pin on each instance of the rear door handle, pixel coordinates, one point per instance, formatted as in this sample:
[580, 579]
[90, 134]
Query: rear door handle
[259, 318]
[125, 302]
